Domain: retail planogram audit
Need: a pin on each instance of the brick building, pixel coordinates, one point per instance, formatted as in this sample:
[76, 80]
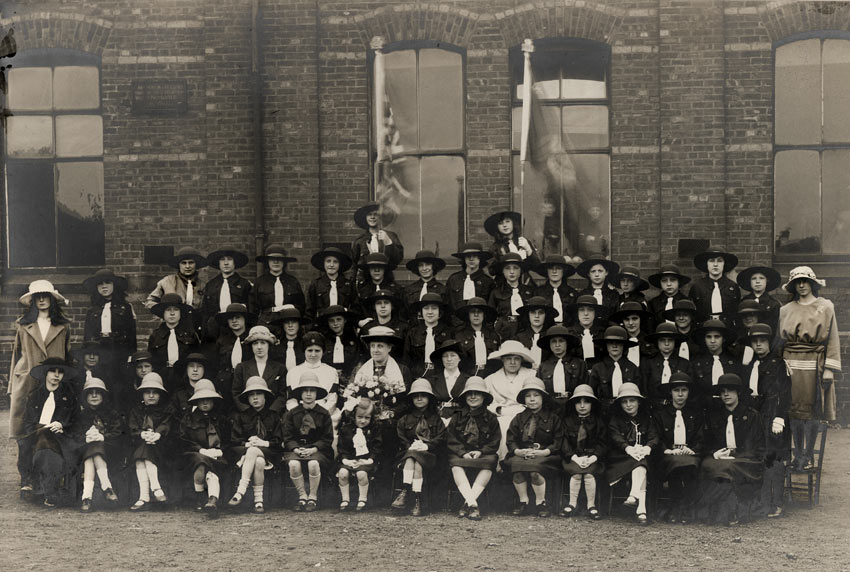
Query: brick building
[184, 122]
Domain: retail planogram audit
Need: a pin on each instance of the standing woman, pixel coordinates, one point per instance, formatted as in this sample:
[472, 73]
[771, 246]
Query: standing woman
[110, 319]
[807, 326]
[41, 333]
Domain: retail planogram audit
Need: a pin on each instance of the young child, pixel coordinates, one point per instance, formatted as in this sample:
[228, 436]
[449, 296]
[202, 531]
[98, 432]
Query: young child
[608, 375]
[276, 287]
[670, 281]
[534, 442]
[150, 425]
[360, 449]
[583, 450]
[635, 320]
[715, 296]
[509, 293]
[471, 281]
[632, 286]
[632, 436]
[759, 282]
[422, 437]
[255, 440]
[557, 293]
[599, 272]
[561, 372]
[683, 315]
[204, 430]
[588, 317]
[260, 340]
[476, 336]
[426, 335]
[173, 338]
[376, 239]
[100, 427]
[110, 319]
[224, 289]
[657, 371]
[332, 287]
[307, 436]
[231, 349]
[426, 265]
[715, 361]
[342, 347]
[186, 282]
[534, 318]
[473, 439]
[505, 228]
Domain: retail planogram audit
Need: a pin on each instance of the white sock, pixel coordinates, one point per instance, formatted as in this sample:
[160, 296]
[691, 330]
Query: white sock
[417, 485]
[465, 490]
[407, 476]
[314, 486]
[88, 489]
[345, 492]
[298, 482]
[144, 483]
[103, 475]
[363, 491]
[590, 490]
[522, 491]
[474, 493]
[153, 475]
[575, 489]
[258, 493]
[213, 485]
[539, 492]
[242, 487]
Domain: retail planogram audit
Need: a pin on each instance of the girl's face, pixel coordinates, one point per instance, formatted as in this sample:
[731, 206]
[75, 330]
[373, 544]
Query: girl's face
[227, 265]
[803, 288]
[53, 378]
[511, 272]
[729, 397]
[472, 261]
[583, 406]
[171, 315]
[533, 399]
[420, 400]
[362, 419]
[586, 315]
[760, 346]
[94, 397]
[749, 320]
[106, 288]
[714, 342]
[555, 273]
[372, 218]
[431, 314]
[377, 274]
[383, 308]
[558, 345]
[260, 348]
[308, 395]
[758, 282]
[511, 364]
[91, 360]
[336, 324]
[379, 351]
[205, 405]
[150, 396]
[476, 318]
[194, 370]
[536, 317]
[331, 265]
[506, 226]
[187, 267]
[597, 275]
[42, 301]
[679, 396]
[666, 345]
[450, 360]
[426, 270]
[615, 350]
[236, 323]
[631, 324]
[143, 368]
[683, 320]
[275, 266]
[474, 399]
[715, 267]
[313, 354]
[257, 399]
[629, 405]
[291, 328]
[627, 285]
[669, 285]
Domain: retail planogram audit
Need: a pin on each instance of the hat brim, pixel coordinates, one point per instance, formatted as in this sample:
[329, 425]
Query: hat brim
[244, 395]
[413, 265]
[40, 371]
[180, 365]
[205, 394]
[365, 264]
[655, 279]
[321, 392]
[572, 341]
[628, 343]
[396, 301]
[239, 259]
[266, 257]
[200, 261]
[482, 254]
[678, 337]
[525, 355]
[520, 396]
[318, 260]
[740, 388]
[601, 311]
[730, 261]
[491, 224]
[488, 397]
[543, 268]
[497, 265]
[816, 284]
[276, 318]
[119, 282]
[437, 354]
[573, 398]
[620, 315]
[551, 313]
[671, 314]
[360, 214]
[774, 279]
[26, 299]
[641, 283]
[612, 267]
[223, 317]
[347, 314]
[159, 309]
[490, 313]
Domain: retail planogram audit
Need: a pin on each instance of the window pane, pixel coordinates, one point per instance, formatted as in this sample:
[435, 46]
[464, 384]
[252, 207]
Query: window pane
[30, 89]
[32, 212]
[584, 89]
[798, 103]
[836, 201]
[585, 126]
[516, 128]
[76, 87]
[400, 200]
[79, 135]
[797, 223]
[591, 203]
[442, 207]
[441, 99]
[401, 92]
[79, 222]
[29, 136]
[836, 86]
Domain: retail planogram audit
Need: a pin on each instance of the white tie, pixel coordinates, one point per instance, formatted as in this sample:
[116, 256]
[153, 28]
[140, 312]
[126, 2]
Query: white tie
[597, 293]
[512, 247]
[669, 305]
[172, 349]
[716, 370]
[754, 378]
[756, 299]
[536, 351]
[333, 296]
[224, 295]
[587, 345]
[373, 243]
[468, 288]
[480, 350]
[190, 293]
[359, 442]
[634, 353]
[684, 352]
[48, 410]
[236, 353]
[290, 355]
[716, 301]
[679, 434]
[106, 319]
[665, 372]
[516, 301]
[559, 379]
[730, 434]
[88, 374]
[556, 303]
[616, 378]
[339, 354]
[278, 293]
[748, 356]
[424, 290]
[429, 343]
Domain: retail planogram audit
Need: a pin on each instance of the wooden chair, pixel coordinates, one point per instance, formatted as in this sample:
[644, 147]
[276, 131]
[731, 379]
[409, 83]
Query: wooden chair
[808, 480]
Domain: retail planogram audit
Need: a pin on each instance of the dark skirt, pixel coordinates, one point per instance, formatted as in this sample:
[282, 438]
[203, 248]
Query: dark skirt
[546, 465]
[483, 462]
[424, 458]
[622, 465]
[572, 468]
[239, 452]
[368, 469]
[667, 464]
[153, 453]
[324, 462]
[739, 471]
[195, 460]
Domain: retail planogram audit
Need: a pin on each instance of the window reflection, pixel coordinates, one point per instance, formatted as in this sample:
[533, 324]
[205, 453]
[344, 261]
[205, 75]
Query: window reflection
[797, 201]
[836, 201]
[798, 110]
[836, 86]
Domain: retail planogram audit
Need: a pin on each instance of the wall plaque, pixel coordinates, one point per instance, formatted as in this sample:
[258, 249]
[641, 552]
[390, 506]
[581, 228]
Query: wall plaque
[160, 97]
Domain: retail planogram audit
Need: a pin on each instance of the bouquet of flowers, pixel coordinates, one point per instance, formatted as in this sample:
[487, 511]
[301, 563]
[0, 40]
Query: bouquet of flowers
[381, 389]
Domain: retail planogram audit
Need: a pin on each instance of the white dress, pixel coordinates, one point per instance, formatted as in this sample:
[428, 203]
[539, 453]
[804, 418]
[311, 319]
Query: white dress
[505, 405]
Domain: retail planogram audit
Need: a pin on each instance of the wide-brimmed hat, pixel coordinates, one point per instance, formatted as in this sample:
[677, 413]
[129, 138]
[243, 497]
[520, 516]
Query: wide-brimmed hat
[277, 252]
[288, 312]
[194, 357]
[39, 371]
[142, 355]
[512, 348]
[314, 338]
[476, 383]
[612, 267]
[615, 334]
[360, 214]
[318, 259]
[678, 379]
[384, 294]
[583, 390]
[528, 384]
[630, 308]
[171, 300]
[204, 389]
[188, 253]
[91, 347]
[588, 300]
[538, 303]
[759, 331]
[105, 275]
[41, 287]
[558, 331]
[236, 309]
[255, 383]
[714, 326]
[240, 259]
[490, 313]
[425, 256]
[730, 261]
[375, 259]
[420, 385]
[803, 273]
[555, 260]
[261, 333]
[774, 279]
[680, 306]
[152, 380]
[730, 381]
[472, 248]
[447, 346]
[309, 380]
[633, 273]
[429, 298]
[337, 310]
[94, 383]
[628, 390]
[668, 270]
[749, 307]
[666, 330]
[491, 224]
[381, 334]
[498, 264]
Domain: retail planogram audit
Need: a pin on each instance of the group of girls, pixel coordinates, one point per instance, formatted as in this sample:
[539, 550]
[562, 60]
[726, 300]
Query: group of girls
[505, 367]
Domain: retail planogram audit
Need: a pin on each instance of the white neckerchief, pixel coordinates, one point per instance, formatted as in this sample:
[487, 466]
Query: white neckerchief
[559, 307]
[480, 349]
[106, 319]
[716, 370]
[278, 293]
[339, 353]
[468, 288]
[373, 244]
[513, 247]
[359, 442]
[684, 351]
[172, 349]
[597, 293]
[587, 345]
[190, 293]
[290, 354]
[716, 300]
[47, 410]
[559, 378]
[236, 353]
[730, 433]
[754, 378]
[665, 371]
[536, 351]
[333, 295]
[430, 346]
[224, 295]
[616, 378]
[516, 301]
[748, 355]
[679, 433]
[424, 290]
[634, 353]
[669, 305]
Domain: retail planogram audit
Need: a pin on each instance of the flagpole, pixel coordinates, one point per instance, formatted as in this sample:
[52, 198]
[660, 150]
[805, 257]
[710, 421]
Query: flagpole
[527, 50]
[377, 44]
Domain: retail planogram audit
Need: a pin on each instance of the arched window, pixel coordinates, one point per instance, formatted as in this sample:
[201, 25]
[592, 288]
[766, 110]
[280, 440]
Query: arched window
[812, 145]
[54, 160]
[421, 179]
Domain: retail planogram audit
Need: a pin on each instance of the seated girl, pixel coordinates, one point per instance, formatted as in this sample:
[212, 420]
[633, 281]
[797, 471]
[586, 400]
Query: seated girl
[583, 451]
[360, 449]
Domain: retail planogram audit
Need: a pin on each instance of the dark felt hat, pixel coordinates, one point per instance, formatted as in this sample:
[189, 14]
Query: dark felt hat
[730, 381]
[105, 275]
[491, 224]
[236, 309]
[425, 256]
[633, 273]
[277, 252]
[188, 253]
[172, 299]
[141, 355]
[587, 300]
[749, 307]
[668, 270]
[375, 259]
[40, 371]
[490, 313]
[240, 259]
[612, 267]
[680, 306]
[538, 303]
[666, 330]
[498, 264]
[679, 379]
[318, 259]
[195, 357]
[558, 331]
[447, 346]
[630, 308]
[774, 279]
[714, 326]
[429, 298]
[337, 310]
[287, 313]
[729, 259]
[615, 334]
[314, 338]
[360, 214]
[555, 260]
[472, 248]
[759, 330]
